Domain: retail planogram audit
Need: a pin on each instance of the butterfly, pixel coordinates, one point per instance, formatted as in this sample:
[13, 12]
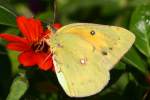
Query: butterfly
[84, 54]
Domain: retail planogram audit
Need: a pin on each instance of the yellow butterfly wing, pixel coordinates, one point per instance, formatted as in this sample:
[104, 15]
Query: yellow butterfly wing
[84, 53]
[111, 41]
[79, 67]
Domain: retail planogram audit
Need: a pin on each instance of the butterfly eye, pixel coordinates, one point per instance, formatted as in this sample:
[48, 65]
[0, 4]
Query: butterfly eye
[92, 32]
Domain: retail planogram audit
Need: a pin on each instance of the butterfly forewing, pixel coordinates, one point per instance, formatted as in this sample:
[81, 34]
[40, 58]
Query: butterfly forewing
[111, 41]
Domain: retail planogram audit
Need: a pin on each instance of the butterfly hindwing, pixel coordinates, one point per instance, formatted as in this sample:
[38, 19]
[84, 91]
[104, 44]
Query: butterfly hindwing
[79, 67]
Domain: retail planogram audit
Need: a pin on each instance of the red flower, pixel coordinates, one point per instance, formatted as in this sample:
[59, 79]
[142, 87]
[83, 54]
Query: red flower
[33, 48]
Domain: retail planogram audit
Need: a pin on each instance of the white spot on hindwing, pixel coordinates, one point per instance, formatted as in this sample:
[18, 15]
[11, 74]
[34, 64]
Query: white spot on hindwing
[83, 61]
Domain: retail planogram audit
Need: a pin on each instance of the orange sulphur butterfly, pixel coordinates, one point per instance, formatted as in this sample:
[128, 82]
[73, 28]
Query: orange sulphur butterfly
[84, 53]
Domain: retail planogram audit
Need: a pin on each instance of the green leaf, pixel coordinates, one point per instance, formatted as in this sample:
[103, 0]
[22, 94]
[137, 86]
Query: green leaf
[116, 72]
[133, 58]
[135, 90]
[13, 55]
[7, 15]
[18, 88]
[140, 26]
[117, 88]
[53, 96]
[46, 17]
[11, 30]
[5, 72]
[88, 11]
[120, 66]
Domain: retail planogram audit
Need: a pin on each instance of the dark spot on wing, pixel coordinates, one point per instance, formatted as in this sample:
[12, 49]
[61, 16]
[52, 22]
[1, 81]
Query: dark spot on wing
[110, 48]
[59, 45]
[104, 53]
[92, 32]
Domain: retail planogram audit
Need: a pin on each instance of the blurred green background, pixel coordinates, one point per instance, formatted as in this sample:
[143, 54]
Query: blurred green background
[130, 79]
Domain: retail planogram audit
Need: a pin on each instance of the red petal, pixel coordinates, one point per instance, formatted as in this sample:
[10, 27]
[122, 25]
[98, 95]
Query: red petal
[18, 46]
[27, 58]
[21, 22]
[57, 25]
[44, 61]
[32, 29]
[13, 38]
[39, 28]
[30, 58]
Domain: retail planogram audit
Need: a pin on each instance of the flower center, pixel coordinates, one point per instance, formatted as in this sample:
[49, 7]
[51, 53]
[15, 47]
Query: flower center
[40, 46]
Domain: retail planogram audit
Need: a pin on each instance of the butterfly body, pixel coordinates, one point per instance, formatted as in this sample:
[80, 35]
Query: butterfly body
[83, 55]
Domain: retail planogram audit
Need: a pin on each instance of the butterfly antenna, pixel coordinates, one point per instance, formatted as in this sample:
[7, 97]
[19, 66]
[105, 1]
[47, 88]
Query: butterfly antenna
[51, 28]
[54, 12]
